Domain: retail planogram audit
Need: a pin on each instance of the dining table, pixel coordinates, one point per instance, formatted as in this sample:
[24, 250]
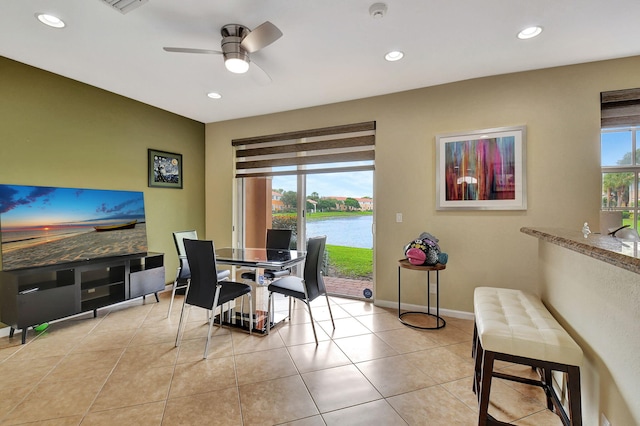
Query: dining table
[258, 259]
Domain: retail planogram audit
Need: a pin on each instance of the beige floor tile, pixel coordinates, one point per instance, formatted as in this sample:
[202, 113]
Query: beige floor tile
[11, 397]
[441, 364]
[191, 350]
[251, 343]
[450, 336]
[506, 404]
[156, 333]
[357, 308]
[217, 408]
[139, 415]
[463, 350]
[99, 341]
[407, 339]
[529, 391]
[442, 409]
[463, 324]
[127, 387]
[541, 418]
[205, 375]
[309, 421]
[299, 334]
[365, 347]
[62, 421]
[312, 357]
[47, 345]
[55, 400]
[339, 387]
[394, 375]
[271, 364]
[276, 401]
[345, 327]
[94, 366]
[148, 356]
[380, 322]
[371, 413]
[26, 372]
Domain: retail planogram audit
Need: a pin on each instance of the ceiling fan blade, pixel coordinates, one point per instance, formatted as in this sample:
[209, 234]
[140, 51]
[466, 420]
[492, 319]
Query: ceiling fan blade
[259, 75]
[188, 50]
[262, 36]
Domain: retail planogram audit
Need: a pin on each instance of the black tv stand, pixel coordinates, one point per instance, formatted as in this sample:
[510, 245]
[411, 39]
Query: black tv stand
[33, 296]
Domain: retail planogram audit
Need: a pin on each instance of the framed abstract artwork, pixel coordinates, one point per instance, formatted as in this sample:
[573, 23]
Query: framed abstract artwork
[165, 169]
[481, 170]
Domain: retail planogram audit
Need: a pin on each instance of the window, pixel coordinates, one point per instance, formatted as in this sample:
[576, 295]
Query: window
[620, 162]
[620, 156]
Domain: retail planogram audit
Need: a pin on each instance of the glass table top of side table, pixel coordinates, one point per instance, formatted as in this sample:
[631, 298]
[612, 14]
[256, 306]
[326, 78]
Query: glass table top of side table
[259, 259]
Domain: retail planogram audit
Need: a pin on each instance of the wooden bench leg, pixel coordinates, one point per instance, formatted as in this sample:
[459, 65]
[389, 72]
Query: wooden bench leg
[485, 386]
[478, 365]
[575, 405]
[547, 381]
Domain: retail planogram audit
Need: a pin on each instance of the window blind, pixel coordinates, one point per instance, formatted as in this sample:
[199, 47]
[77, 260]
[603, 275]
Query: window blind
[335, 149]
[620, 108]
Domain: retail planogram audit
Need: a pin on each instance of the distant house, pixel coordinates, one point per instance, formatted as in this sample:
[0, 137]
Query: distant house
[366, 204]
[276, 201]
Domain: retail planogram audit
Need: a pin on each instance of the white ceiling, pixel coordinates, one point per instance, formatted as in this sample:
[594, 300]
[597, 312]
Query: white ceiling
[331, 50]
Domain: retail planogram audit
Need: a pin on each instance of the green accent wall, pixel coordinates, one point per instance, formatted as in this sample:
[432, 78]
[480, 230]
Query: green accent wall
[55, 131]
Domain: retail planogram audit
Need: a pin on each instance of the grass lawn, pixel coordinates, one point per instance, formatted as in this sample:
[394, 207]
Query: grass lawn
[350, 262]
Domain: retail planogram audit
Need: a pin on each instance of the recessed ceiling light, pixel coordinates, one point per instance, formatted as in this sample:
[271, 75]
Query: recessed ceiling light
[394, 55]
[50, 20]
[529, 33]
[214, 95]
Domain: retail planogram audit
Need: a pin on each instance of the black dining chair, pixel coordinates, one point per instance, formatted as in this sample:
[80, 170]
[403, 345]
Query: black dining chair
[306, 289]
[204, 290]
[184, 272]
[279, 239]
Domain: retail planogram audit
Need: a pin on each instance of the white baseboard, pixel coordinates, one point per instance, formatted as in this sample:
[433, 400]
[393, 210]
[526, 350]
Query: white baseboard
[423, 308]
[4, 332]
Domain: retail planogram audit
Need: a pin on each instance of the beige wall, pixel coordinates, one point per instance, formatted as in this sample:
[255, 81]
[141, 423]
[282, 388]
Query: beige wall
[561, 110]
[598, 304]
[58, 132]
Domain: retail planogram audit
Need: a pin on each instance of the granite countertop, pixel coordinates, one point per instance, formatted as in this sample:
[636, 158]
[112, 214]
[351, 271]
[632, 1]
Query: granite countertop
[617, 252]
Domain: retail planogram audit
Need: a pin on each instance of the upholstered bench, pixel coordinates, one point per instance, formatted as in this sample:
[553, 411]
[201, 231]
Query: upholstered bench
[514, 326]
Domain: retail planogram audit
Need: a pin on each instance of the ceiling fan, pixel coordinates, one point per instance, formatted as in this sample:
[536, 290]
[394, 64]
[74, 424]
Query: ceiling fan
[237, 43]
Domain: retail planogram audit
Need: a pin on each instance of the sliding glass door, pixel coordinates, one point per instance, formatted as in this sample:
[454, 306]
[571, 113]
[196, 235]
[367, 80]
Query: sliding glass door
[316, 185]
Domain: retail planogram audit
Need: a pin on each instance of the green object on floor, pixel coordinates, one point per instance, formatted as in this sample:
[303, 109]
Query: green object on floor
[41, 327]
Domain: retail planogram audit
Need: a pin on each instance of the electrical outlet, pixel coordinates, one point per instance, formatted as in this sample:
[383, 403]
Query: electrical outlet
[433, 288]
[398, 217]
[604, 421]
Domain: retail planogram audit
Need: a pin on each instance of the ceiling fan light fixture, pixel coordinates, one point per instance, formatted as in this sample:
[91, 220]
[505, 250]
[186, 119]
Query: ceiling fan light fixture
[236, 65]
[394, 55]
[529, 32]
[50, 20]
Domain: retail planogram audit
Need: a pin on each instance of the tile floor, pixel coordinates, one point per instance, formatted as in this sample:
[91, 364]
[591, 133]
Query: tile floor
[123, 368]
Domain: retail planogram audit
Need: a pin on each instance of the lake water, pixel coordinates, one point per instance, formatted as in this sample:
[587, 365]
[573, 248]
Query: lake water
[348, 231]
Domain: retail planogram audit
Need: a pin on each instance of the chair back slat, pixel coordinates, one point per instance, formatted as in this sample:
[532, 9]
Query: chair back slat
[202, 260]
[313, 280]
[278, 239]
[178, 238]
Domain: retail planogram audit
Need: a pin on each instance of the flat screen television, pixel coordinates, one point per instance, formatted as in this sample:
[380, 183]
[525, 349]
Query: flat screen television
[42, 225]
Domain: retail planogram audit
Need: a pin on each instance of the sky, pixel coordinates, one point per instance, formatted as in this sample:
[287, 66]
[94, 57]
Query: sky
[351, 184]
[614, 146]
[27, 206]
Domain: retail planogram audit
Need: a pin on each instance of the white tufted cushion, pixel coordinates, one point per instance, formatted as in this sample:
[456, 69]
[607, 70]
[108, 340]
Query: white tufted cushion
[517, 323]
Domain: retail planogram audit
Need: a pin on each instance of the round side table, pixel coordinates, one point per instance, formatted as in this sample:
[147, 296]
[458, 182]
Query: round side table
[440, 322]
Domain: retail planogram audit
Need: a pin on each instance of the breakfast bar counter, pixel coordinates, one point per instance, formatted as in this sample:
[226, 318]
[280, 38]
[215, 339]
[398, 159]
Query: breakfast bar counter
[617, 252]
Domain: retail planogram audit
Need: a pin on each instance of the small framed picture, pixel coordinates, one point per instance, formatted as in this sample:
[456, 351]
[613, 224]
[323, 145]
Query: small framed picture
[165, 169]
